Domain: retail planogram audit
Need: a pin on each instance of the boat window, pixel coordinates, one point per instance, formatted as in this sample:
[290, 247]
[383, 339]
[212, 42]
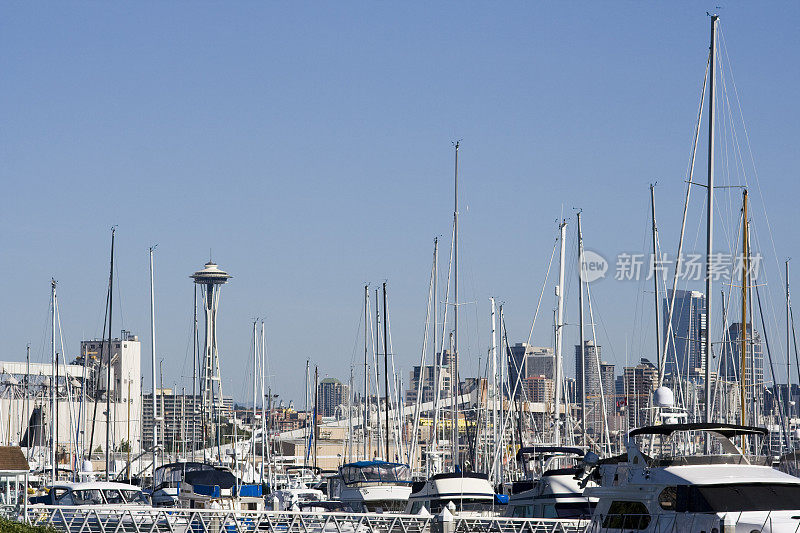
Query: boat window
[113, 497]
[63, 497]
[738, 497]
[522, 511]
[575, 510]
[668, 498]
[135, 496]
[87, 497]
[627, 515]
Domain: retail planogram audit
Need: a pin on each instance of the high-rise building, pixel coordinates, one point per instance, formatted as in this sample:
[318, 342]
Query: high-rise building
[638, 383]
[731, 364]
[331, 393]
[538, 389]
[428, 375]
[529, 361]
[599, 384]
[180, 419]
[685, 345]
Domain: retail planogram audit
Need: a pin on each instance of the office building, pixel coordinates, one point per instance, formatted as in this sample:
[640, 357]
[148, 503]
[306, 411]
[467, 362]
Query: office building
[686, 343]
[428, 375]
[731, 364]
[529, 361]
[331, 394]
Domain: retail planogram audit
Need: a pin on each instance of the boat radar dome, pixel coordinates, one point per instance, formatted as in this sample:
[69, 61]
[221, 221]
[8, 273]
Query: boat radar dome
[663, 397]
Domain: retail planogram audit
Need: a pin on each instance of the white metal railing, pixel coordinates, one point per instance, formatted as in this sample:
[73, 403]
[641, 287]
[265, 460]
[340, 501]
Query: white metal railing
[152, 520]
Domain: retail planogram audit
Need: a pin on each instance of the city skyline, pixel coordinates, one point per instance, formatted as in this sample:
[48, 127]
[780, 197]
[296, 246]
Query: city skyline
[312, 161]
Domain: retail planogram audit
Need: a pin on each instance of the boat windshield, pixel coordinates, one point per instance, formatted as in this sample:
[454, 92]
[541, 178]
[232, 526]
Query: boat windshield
[135, 496]
[733, 497]
[171, 475]
[88, 497]
[375, 471]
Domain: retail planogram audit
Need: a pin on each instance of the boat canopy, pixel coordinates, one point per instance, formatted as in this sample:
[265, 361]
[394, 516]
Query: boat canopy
[173, 473]
[726, 430]
[549, 450]
[375, 471]
[216, 477]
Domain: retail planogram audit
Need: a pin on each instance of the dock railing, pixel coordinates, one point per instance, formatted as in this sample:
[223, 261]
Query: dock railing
[84, 519]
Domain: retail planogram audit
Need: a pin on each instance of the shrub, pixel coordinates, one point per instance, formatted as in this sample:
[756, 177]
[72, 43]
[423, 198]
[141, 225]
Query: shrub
[9, 526]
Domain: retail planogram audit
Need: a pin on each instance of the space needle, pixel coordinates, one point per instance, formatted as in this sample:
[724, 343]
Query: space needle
[210, 280]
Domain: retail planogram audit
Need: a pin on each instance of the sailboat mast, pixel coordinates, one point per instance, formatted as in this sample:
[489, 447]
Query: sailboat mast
[376, 353]
[656, 294]
[264, 425]
[495, 415]
[365, 402]
[153, 352]
[581, 340]
[108, 368]
[743, 332]
[454, 355]
[788, 351]
[386, 370]
[559, 335]
[710, 213]
[53, 442]
[255, 394]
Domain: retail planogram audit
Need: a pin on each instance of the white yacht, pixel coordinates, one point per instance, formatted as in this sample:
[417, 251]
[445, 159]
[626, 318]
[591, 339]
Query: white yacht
[471, 493]
[94, 493]
[218, 489]
[167, 481]
[554, 490]
[372, 486]
[675, 490]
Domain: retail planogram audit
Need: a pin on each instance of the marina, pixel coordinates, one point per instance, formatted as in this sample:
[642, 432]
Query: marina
[478, 386]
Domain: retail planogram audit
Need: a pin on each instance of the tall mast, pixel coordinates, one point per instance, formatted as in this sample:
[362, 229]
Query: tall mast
[580, 329]
[656, 295]
[743, 332]
[350, 418]
[53, 442]
[495, 416]
[255, 393]
[264, 413]
[386, 369]
[307, 436]
[376, 352]
[710, 213]
[455, 377]
[108, 369]
[788, 352]
[194, 381]
[437, 359]
[316, 406]
[153, 352]
[365, 402]
[559, 333]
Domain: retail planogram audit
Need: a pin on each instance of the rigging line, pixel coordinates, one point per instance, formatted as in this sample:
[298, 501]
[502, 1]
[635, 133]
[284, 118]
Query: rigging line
[750, 153]
[541, 294]
[709, 327]
[599, 371]
[396, 426]
[794, 341]
[417, 414]
[771, 368]
[775, 321]
[679, 255]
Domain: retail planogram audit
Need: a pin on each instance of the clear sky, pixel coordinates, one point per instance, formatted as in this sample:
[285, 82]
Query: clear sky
[307, 147]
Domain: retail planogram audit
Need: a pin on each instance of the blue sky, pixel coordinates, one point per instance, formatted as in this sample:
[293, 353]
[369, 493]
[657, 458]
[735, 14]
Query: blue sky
[308, 146]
